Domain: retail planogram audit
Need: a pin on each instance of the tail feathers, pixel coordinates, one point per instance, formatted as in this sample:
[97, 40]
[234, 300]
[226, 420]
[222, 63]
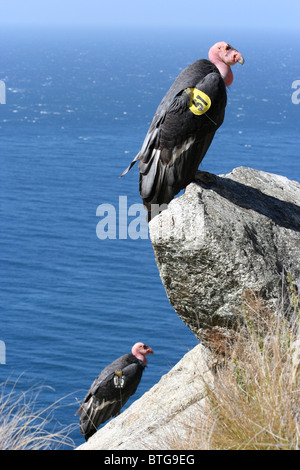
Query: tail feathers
[86, 422]
[89, 434]
[149, 172]
[131, 165]
[155, 189]
[145, 152]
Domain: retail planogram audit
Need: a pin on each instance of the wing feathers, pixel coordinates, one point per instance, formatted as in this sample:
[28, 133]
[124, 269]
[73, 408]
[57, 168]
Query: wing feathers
[94, 412]
[149, 170]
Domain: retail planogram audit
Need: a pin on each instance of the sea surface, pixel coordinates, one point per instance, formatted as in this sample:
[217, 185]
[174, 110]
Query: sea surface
[78, 105]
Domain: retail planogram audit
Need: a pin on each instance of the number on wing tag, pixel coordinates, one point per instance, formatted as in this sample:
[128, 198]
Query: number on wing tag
[119, 380]
[199, 101]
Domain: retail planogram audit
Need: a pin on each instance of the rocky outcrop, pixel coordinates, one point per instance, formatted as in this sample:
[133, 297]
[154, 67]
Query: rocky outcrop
[227, 235]
[164, 410]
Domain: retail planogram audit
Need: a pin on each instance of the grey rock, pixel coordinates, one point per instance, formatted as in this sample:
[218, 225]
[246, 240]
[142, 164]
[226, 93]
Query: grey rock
[224, 236]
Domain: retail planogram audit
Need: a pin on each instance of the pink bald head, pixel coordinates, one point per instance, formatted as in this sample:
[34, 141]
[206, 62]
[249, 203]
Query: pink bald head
[140, 350]
[223, 56]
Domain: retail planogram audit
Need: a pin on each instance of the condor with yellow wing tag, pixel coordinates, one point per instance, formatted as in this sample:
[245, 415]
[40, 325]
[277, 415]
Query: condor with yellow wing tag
[183, 127]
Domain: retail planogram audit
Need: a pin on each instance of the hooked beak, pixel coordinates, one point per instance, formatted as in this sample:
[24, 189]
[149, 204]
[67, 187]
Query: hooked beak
[241, 60]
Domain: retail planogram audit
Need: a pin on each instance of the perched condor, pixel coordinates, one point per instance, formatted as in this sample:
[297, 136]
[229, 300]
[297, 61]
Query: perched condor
[112, 388]
[183, 127]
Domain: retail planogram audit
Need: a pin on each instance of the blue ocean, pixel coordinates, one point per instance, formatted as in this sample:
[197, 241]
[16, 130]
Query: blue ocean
[78, 105]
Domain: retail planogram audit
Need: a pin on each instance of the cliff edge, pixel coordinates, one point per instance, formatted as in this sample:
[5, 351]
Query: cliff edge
[226, 236]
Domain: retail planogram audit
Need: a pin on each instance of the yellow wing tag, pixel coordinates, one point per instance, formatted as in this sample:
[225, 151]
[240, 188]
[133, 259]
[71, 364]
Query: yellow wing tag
[199, 101]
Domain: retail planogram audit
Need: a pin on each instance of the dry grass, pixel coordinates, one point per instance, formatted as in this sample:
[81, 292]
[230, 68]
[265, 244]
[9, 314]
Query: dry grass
[24, 427]
[254, 403]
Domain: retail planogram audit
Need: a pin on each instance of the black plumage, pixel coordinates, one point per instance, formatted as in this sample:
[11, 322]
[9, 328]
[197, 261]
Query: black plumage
[178, 139]
[110, 391]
